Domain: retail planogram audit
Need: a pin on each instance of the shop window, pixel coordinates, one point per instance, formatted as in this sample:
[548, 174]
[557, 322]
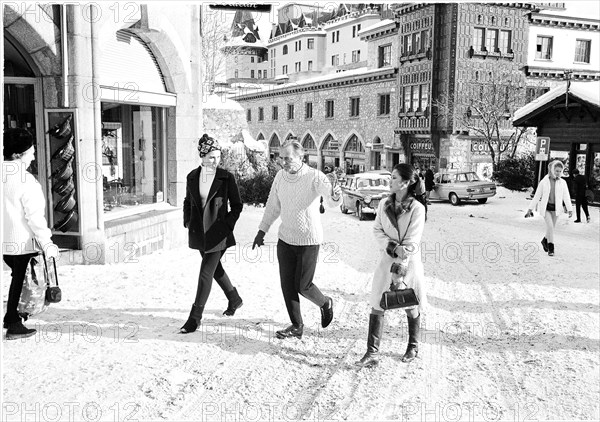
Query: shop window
[133, 166]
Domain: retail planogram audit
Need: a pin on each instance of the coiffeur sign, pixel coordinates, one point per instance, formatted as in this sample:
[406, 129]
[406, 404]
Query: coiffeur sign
[481, 147]
[421, 147]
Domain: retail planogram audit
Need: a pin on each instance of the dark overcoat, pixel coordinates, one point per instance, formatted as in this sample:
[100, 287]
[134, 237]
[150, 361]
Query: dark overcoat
[210, 228]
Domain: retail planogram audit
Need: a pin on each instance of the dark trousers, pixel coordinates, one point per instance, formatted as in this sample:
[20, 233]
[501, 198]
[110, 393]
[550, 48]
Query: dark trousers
[581, 201]
[211, 268]
[18, 266]
[296, 269]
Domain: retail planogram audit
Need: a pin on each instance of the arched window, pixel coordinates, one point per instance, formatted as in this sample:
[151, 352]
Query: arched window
[274, 143]
[285, 49]
[354, 145]
[260, 137]
[330, 143]
[309, 143]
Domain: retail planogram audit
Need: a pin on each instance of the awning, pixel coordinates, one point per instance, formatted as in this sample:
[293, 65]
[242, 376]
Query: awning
[129, 73]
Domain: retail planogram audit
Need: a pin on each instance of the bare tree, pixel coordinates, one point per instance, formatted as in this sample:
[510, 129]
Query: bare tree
[216, 32]
[484, 109]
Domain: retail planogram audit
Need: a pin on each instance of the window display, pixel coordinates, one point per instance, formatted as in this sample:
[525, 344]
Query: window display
[63, 176]
[132, 155]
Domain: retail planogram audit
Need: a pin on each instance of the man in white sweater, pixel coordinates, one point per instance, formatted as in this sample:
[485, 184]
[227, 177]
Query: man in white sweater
[294, 197]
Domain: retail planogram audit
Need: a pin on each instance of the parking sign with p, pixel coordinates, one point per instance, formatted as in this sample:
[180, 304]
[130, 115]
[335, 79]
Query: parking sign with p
[542, 148]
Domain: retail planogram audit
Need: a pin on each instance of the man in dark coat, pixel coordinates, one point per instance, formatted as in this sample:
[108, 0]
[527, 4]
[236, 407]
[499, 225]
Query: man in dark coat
[580, 198]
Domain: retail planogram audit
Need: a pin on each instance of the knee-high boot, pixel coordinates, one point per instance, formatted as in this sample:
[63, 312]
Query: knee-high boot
[193, 320]
[414, 329]
[371, 358]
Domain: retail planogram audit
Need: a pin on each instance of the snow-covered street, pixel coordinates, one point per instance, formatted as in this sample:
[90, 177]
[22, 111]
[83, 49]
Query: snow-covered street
[510, 334]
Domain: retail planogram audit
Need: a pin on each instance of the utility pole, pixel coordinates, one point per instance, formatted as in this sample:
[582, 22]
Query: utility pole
[568, 74]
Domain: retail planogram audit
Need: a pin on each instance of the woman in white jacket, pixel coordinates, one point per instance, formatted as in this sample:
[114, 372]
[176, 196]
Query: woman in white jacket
[24, 222]
[398, 229]
[551, 195]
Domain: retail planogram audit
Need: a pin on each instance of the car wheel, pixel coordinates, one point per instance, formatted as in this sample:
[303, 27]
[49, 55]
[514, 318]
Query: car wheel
[482, 200]
[344, 209]
[454, 200]
[359, 212]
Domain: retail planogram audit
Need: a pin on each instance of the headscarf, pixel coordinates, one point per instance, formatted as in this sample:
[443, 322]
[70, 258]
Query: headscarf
[207, 144]
[552, 165]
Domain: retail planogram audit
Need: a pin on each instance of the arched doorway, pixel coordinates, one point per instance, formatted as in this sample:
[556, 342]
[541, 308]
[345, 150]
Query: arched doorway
[310, 150]
[354, 155]
[330, 153]
[22, 100]
[274, 145]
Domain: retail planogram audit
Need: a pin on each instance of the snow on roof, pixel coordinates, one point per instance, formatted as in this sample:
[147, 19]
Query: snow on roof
[252, 143]
[585, 91]
[377, 27]
[239, 42]
[220, 102]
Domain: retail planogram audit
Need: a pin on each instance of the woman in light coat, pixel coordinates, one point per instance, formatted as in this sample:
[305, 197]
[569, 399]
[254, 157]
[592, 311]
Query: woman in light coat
[25, 228]
[398, 229]
[551, 196]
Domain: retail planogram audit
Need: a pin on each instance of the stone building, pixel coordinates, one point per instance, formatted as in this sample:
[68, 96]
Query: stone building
[346, 117]
[119, 86]
[446, 54]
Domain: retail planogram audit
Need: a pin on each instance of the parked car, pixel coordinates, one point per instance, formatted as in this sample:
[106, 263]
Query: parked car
[459, 186]
[362, 192]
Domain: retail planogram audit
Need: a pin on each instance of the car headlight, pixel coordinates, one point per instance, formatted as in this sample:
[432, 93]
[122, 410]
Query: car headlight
[367, 199]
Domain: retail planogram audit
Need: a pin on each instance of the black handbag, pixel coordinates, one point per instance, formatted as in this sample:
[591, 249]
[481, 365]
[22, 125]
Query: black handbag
[402, 298]
[53, 292]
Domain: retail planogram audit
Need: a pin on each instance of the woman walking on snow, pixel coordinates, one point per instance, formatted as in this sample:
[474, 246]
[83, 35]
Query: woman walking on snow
[550, 196]
[398, 229]
[210, 225]
[25, 228]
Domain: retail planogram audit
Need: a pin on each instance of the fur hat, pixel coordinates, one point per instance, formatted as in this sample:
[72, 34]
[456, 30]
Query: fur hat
[16, 141]
[207, 144]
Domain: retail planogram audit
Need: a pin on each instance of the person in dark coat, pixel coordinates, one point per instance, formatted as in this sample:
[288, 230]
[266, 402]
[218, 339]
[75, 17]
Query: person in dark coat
[429, 183]
[210, 226]
[580, 198]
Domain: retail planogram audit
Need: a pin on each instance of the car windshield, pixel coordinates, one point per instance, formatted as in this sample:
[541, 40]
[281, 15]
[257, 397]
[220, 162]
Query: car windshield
[382, 183]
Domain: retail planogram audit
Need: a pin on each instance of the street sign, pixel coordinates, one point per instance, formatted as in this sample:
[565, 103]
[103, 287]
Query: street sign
[542, 148]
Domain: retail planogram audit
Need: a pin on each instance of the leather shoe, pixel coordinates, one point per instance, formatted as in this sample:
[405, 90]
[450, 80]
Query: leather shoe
[577, 221]
[327, 313]
[291, 331]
